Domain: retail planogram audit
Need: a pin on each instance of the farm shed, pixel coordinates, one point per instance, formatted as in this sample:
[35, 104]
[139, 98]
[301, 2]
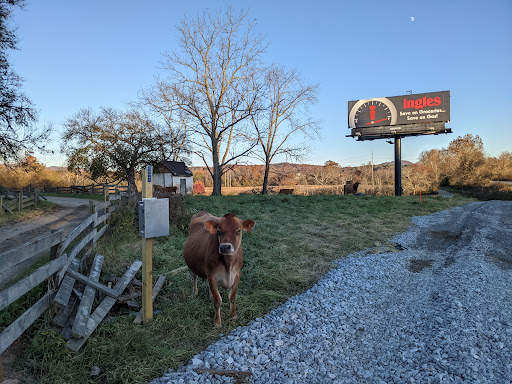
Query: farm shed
[174, 174]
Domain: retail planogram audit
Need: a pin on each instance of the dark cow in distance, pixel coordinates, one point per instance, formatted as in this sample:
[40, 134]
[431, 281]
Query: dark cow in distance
[286, 191]
[213, 251]
[157, 188]
[350, 188]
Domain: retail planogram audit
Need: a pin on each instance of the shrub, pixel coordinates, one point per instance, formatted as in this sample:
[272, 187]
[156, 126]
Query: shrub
[179, 215]
[199, 188]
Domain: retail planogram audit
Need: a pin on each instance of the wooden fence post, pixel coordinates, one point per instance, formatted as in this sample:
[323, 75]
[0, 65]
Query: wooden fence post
[36, 197]
[20, 201]
[1, 205]
[53, 280]
[106, 197]
[147, 255]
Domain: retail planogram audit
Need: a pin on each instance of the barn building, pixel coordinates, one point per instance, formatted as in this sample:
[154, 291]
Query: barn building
[174, 174]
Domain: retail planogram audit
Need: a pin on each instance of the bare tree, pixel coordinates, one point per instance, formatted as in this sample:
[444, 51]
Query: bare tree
[18, 136]
[210, 82]
[330, 174]
[157, 99]
[464, 159]
[433, 160]
[285, 113]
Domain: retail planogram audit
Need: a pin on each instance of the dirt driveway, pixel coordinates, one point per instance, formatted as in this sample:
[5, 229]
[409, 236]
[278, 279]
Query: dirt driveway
[66, 215]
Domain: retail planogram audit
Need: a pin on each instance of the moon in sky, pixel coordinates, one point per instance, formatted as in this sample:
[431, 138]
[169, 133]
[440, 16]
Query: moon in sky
[412, 18]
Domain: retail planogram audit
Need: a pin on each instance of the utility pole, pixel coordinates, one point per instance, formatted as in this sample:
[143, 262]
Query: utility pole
[398, 165]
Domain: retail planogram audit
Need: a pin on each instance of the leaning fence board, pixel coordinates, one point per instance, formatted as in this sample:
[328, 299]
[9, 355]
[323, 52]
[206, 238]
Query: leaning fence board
[7, 208]
[86, 239]
[102, 310]
[84, 310]
[77, 231]
[20, 325]
[28, 250]
[62, 316]
[74, 252]
[100, 287]
[156, 289]
[66, 286]
[17, 290]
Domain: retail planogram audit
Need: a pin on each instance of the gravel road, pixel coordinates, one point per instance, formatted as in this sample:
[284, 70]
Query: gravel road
[435, 306]
[66, 215]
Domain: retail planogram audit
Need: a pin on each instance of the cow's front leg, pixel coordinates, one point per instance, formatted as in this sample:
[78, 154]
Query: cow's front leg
[232, 297]
[194, 287]
[217, 299]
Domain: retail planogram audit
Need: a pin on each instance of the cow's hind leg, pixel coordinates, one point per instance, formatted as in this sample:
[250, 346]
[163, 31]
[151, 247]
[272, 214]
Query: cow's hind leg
[232, 297]
[217, 299]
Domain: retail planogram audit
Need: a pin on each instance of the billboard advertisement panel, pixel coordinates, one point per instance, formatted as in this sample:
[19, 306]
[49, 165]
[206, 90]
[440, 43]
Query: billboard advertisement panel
[399, 110]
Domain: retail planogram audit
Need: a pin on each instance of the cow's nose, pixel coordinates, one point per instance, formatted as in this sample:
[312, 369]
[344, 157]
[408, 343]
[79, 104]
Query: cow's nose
[225, 248]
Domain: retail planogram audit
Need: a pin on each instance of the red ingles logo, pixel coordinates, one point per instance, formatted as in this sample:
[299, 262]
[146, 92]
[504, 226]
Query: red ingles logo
[422, 102]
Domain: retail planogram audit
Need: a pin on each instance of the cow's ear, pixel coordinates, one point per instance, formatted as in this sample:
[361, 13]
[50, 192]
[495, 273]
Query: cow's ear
[248, 225]
[211, 225]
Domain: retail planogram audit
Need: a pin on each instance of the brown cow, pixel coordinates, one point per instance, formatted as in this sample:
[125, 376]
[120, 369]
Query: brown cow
[213, 251]
[171, 190]
[158, 188]
[286, 191]
[350, 188]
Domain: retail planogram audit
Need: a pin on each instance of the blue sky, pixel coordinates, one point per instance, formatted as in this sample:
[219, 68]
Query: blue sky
[77, 54]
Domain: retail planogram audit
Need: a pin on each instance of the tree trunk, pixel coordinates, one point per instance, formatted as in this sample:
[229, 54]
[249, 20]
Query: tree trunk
[264, 190]
[132, 187]
[217, 171]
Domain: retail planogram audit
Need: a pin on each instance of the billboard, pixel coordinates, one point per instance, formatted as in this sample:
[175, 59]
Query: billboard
[399, 110]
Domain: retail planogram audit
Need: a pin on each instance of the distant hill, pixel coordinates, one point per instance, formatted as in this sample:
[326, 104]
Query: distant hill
[304, 168]
[56, 169]
[391, 164]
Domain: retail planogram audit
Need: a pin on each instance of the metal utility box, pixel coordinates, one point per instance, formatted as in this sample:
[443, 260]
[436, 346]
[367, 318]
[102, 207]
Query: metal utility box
[153, 217]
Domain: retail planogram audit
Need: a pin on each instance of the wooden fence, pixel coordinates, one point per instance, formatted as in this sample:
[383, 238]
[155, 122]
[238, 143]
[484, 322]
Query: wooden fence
[19, 200]
[88, 189]
[63, 251]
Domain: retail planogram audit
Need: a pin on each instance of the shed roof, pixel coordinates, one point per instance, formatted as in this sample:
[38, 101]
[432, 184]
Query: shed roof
[177, 168]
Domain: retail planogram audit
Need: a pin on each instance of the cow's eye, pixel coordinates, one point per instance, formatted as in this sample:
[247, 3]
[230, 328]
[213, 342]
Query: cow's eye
[220, 233]
[238, 232]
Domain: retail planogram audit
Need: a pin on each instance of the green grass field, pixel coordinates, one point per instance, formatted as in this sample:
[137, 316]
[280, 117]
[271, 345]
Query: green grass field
[295, 241]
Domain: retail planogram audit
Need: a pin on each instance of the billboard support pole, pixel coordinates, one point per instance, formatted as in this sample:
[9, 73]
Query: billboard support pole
[398, 165]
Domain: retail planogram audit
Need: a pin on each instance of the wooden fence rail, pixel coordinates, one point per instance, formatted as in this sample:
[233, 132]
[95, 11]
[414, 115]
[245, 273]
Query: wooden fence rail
[88, 189]
[19, 200]
[63, 250]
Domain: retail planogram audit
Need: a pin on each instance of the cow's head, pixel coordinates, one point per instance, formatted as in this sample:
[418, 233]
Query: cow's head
[229, 231]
